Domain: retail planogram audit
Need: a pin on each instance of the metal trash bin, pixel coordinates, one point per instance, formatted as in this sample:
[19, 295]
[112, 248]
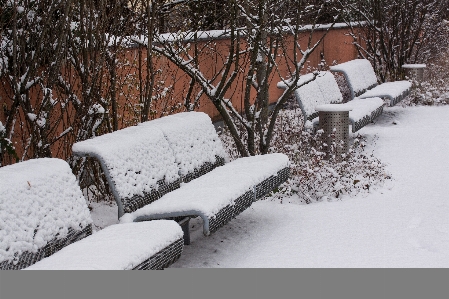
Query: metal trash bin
[414, 72]
[334, 121]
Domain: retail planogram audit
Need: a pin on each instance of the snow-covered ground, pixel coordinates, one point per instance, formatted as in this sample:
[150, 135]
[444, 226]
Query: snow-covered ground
[403, 224]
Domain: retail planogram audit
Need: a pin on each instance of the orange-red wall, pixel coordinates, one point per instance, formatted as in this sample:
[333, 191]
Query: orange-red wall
[336, 47]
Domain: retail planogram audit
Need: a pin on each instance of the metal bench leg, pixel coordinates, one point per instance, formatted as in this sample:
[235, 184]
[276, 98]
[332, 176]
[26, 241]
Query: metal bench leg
[184, 223]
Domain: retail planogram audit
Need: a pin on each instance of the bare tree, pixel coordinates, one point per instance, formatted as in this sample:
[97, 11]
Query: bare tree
[89, 81]
[258, 33]
[391, 33]
[151, 18]
[33, 43]
[60, 62]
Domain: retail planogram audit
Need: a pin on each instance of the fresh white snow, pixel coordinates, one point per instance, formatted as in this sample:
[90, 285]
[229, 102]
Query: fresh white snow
[363, 107]
[333, 108]
[140, 156]
[117, 247]
[217, 34]
[192, 139]
[136, 158]
[310, 93]
[215, 190]
[329, 88]
[403, 224]
[39, 199]
[388, 89]
[414, 66]
[125, 154]
[321, 94]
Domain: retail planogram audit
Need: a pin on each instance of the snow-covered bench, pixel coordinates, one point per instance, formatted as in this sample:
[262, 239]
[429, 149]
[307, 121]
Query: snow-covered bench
[362, 82]
[322, 89]
[175, 167]
[45, 224]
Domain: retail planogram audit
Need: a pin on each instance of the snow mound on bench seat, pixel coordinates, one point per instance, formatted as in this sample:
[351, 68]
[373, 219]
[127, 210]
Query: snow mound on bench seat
[117, 247]
[363, 107]
[39, 199]
[136, 158]
[192, 137]
[359, 108]
[208, 194]
[329, 88]
[388, 89]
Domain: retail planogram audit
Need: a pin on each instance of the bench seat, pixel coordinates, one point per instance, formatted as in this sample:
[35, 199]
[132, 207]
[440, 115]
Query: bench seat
[43, 214]
[394, 91]
[363, 112]
[130, 246]
[362, 82]
[321, 88]
[219, 195]
[176, 167]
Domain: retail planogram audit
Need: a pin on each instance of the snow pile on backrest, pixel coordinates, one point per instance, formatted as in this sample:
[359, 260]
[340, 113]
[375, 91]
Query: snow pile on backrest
[192, 137]
[368, 73]
[136, 158]
[359, 73]
[39, 199]
[309, 94]
[322, 90]
[329, 88]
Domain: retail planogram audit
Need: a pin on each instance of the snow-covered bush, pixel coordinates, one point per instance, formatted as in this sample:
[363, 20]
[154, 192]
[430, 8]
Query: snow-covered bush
[315, 177]
[434, 90]
[391, 33]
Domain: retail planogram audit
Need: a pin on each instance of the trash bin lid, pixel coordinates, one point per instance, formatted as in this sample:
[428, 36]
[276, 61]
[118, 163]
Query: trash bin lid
[413, 66]
[333, 108]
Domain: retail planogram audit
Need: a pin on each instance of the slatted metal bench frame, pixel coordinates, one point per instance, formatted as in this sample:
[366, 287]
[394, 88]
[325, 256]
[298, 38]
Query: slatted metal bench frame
[210, 225]
[158, 261]
[366, 68]
[227, 213]
[27, 258]
[319, 80]
[133, 203]
[162, 259]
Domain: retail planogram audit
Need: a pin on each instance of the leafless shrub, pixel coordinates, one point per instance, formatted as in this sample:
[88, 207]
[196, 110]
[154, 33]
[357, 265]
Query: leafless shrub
[391, 33]
[434, 90]
[316, 176]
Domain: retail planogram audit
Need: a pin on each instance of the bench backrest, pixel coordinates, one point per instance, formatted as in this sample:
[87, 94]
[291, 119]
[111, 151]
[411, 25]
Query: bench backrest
[321, 90]
[144, 162]
[359, 75]
[194, 142]
[42, 209]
